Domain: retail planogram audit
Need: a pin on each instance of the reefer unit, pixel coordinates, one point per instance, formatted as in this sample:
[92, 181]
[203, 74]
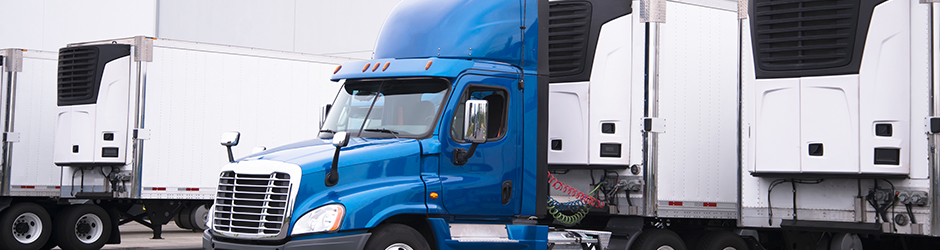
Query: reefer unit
[149, 112]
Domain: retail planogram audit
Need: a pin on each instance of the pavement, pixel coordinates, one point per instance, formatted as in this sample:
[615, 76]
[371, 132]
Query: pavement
[137, 236]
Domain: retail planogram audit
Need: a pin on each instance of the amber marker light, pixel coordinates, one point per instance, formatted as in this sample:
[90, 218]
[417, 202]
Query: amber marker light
[433, 195]
[386, 66]
[337, 69]
[376, 67]
[364, 68]
[428, 66]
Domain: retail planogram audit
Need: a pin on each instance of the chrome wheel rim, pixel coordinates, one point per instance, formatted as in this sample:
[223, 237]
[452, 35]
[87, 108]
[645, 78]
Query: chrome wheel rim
[26, 228]
[88, 228]
[200, 218]
[665, 248]
[399, 246]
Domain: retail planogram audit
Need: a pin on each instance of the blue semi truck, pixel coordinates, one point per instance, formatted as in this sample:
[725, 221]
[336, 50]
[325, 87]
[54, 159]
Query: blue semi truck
[535, 124]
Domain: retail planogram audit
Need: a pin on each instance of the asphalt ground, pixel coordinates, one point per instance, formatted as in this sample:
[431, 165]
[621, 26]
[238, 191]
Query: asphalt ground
[137, 236]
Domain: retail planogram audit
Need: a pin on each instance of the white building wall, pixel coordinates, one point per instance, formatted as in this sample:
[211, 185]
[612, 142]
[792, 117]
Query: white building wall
[341, 28]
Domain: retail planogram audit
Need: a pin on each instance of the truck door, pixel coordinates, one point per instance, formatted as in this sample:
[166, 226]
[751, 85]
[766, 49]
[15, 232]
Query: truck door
[489, 183]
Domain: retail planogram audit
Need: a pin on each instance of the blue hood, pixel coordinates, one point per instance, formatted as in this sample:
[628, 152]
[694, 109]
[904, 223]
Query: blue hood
[316, 155]
[378, 178]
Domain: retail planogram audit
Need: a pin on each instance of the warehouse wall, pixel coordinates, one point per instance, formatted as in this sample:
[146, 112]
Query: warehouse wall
[341, 28]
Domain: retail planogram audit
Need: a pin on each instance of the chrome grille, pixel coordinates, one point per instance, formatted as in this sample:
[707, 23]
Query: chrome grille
[252, 203]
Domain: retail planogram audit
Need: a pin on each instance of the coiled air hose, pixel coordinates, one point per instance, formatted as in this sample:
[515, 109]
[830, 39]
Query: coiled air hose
[578, 208]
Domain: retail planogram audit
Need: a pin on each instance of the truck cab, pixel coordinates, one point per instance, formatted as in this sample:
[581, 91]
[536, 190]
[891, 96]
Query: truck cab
[421, 147]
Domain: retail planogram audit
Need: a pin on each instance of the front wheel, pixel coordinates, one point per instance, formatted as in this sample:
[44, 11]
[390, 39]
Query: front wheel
[396, 237]
[25, 226]
[82, 227]
[658, 239]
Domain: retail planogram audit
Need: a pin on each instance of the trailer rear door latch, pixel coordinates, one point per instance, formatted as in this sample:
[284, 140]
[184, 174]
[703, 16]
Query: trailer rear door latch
[654, 125]
[11, 137]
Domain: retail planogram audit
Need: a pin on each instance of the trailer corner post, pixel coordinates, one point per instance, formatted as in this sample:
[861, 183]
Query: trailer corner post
[13, 64]
[653, 13]
[742, 17]
[934, 107]
[142, 53]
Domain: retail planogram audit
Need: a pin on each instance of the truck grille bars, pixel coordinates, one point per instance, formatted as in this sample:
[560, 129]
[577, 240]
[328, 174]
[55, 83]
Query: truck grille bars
[77, 66]
[792, 35]
[251, 203]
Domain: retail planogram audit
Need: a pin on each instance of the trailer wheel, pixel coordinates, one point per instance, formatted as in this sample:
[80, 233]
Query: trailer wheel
[25, 226]
[198, 216]
[182, 218]
[658, 239]
[82, 227]
[396, 237]
[721, 240]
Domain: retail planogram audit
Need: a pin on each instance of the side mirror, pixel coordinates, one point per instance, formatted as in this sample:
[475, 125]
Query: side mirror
[324, 110]
[475, 118]
[230, 138]
[340, 140]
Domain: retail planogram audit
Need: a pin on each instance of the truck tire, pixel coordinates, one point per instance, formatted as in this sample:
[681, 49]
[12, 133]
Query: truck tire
[396, 237]
[658, 239]
[198, 215]
[25, 226]
[721, 240]
[82, 227]
[182, 219]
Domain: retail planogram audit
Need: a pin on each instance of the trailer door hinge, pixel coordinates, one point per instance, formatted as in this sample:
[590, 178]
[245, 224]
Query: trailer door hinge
[11, 137]
[141, 134]
[932, 124]
[654, 125]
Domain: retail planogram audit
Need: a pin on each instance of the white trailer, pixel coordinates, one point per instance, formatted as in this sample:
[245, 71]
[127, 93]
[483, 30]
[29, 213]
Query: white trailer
[78, 143]
[839, 123]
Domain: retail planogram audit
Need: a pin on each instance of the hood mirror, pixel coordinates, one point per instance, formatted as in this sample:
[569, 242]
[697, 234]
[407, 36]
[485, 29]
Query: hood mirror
[230, 139]
[340, 140]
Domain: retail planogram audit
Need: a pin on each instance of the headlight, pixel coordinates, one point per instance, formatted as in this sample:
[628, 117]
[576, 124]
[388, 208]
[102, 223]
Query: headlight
[322, 219]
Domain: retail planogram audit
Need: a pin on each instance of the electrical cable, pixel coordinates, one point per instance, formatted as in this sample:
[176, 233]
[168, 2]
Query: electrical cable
[770, 208]
[910, 213]
[565, 219]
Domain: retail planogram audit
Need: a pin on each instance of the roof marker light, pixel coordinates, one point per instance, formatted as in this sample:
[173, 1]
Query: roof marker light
[337, 69]
[366, 67]
[428, 66]
[376, 66]
[386, 66]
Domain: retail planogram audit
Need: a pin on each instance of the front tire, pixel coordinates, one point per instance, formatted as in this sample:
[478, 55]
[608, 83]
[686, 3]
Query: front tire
[82, 227]
[198, 216]
[658, 239]
[25, 226]
[396, 237]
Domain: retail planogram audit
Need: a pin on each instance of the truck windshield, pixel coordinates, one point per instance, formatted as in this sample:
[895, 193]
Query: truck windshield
[398, 108]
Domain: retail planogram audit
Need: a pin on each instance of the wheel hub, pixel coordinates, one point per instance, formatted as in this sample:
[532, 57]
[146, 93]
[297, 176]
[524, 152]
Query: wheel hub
[25, 226]
[83, 228]
[88, 228]
[21, 227]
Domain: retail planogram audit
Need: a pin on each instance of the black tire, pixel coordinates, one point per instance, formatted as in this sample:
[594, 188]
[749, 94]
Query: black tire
[198, 215]
[25, 226]
[721, 240]
[391, 235]
[82, 227]
[182, 218]
[655, 239]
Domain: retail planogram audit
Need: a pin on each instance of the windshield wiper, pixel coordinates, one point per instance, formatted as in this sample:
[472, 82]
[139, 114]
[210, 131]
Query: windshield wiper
[382, 130]
[328, 131]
